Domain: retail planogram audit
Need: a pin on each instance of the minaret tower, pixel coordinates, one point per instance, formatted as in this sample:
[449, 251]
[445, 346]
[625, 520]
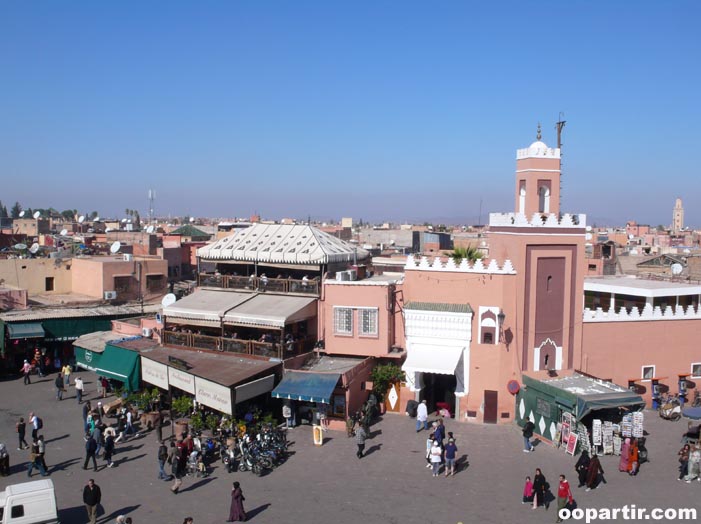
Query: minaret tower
[678, 216]
[538, 179]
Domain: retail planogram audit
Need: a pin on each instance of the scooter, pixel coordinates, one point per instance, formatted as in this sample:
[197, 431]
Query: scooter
[671, 409]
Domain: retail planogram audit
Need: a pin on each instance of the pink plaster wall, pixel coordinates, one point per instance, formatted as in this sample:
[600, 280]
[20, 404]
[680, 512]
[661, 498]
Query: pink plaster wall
[93, 276]
[541, 168]
[618, 350]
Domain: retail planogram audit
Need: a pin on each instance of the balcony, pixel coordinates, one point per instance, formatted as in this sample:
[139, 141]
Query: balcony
[235, 345]
[272, 285]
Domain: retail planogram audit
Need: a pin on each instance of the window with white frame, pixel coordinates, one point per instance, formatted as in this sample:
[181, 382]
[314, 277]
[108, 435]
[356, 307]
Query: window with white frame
[368, 321]
[648, 372]
[696, 370]
[343, 320]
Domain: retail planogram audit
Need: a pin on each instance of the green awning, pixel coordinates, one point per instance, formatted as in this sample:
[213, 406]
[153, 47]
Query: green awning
[63, 329]
[25, 330]
[115, 363]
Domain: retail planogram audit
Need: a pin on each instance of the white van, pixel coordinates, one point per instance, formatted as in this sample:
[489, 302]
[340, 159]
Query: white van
[29, 503]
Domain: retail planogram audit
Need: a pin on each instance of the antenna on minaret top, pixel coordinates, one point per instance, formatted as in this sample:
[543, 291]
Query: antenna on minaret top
[538, 136]
[560, 124]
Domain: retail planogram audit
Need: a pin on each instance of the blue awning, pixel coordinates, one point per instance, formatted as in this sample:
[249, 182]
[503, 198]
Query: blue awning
[25, 330]
[311, 387]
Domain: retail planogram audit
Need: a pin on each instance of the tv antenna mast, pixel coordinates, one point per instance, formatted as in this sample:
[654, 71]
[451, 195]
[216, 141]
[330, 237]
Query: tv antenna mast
[560, 124]
[151, 199]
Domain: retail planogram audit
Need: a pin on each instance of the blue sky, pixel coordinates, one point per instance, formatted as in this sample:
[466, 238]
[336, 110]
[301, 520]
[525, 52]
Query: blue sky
[394, 110]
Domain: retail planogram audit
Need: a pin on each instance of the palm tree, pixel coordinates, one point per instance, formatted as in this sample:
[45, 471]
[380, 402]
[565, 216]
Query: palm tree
[470, 252]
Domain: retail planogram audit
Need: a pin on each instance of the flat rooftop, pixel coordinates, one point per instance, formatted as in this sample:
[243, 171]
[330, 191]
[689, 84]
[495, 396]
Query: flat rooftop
[630, 285]
[328, 364]
[375, 280]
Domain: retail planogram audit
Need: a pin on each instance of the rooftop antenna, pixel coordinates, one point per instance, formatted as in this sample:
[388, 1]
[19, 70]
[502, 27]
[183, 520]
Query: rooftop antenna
[151, 198]
[559, 125]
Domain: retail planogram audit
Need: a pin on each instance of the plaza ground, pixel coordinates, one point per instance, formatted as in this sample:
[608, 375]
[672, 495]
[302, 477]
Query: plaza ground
[328, 484]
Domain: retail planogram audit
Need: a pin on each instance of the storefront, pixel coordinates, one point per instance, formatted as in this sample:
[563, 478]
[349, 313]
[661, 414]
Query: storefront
[332, 385]
[106, 357]
[219, 381]
[578, 412]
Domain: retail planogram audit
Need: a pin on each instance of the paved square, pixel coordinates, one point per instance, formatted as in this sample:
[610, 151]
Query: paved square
[328, 484]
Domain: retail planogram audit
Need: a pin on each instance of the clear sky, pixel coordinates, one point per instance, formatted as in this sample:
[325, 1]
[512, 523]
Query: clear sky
[372, 109]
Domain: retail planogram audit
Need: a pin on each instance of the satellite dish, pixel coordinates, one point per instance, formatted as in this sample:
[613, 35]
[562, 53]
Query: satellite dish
[687, 251]
[129, 221]
[588, 236]
[34, 248]
[631, 236]
[21, 214]
[149, 229]
[81, 219]
[107, 230]
[124, 221]
[20, 247]
[677, 269]
[36, 214]
[96, 219]
[115, 247]
[169, 300]
[588, 228]
[63, 232]
[192, 219]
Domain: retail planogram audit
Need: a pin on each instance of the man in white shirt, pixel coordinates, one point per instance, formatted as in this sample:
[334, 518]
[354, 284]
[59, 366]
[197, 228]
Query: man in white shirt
[79, 389]
[421, 416]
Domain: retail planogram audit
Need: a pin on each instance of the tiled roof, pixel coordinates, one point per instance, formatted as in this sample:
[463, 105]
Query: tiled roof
[188, 230]
[77, 312]
[439, 306]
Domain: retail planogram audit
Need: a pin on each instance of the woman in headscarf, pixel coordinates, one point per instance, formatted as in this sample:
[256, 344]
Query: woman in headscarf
[633, 460]
[236, 513]
[625, 456]
[538, 488]
[593, 473]
[582, 466]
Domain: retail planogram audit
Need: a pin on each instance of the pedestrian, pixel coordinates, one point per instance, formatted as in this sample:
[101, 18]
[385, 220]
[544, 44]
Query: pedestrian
[539, 488]
[564, 496]
[34, 461]
[91, 498]
[633, 464]
[625, 456]
[582, 468]
[105, 386]
[59, 386]
[440, 432]
[90, 450]
[21, 427]
[429, 445]
[36, 423]
[593, 473]
[175, 469]
[162, 458]
[450, 451]
[527, 491]
[87, 408]
[360, 438]
[684, 461]
[97, 435]
[4, 461]
[109, 449]
[421, 416]
[26, 370]
[237, 513]
[41, 452]
[79, 389]
[188, 520]
[436, 457]
[694, 465]
[67, 370]
[527, 431]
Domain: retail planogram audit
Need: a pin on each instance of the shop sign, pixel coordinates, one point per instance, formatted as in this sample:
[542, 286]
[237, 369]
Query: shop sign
[213, 395]
[181, 380]
[154, 373]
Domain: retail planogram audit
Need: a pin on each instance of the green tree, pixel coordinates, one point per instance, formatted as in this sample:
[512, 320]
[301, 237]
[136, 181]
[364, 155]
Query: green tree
[3, 211]
[384, 375]
[470, 253]
[16, 210]
[93, 214]
[68, 214]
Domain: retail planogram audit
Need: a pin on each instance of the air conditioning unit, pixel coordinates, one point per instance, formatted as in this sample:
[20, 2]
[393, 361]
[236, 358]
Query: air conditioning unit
[127, 257]
[342, 276]
[110, 295]
[352, 274]
[146, 332]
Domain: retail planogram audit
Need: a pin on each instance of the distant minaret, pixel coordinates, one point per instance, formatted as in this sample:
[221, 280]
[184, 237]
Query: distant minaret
[678, 216]
[537, 178]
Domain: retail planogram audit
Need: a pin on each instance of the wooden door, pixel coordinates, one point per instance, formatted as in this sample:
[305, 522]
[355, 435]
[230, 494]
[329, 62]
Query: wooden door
[490, 406]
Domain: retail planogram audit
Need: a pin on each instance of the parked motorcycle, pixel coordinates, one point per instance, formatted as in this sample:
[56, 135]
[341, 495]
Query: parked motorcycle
[670, 409]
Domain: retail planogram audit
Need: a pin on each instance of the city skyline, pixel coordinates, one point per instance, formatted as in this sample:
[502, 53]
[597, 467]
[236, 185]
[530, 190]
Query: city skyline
[329, 111]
